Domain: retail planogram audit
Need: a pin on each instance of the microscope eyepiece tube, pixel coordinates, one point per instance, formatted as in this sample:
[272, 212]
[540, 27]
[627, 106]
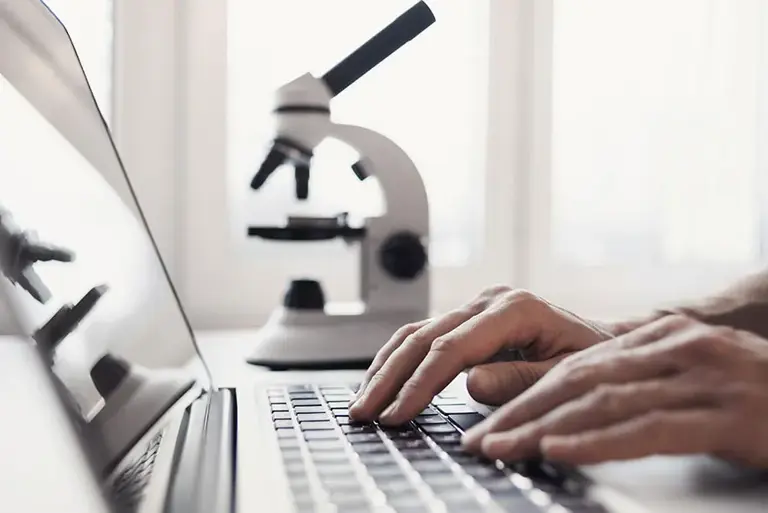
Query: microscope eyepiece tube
[390, 39]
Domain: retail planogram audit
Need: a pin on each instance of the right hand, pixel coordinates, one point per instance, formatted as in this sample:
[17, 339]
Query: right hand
[423, 358]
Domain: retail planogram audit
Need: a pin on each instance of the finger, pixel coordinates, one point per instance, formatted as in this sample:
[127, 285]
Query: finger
[386, 351]
[383, 385]
[657, 433]
[515, 321]
[496, 383]
[569, 381]
[603, 406]
[44, 253]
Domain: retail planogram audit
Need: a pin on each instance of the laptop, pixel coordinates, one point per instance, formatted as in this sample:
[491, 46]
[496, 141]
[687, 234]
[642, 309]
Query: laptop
[87, 290]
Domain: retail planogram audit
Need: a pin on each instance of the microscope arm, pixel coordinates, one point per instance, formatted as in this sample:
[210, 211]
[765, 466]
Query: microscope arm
[401, 183]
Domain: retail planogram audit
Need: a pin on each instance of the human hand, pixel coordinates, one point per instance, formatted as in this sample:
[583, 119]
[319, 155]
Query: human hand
[422, 358]
[675, 386]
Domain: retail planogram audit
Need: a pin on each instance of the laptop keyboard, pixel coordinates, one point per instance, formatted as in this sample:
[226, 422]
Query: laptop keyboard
[334, 464]
[130, 483]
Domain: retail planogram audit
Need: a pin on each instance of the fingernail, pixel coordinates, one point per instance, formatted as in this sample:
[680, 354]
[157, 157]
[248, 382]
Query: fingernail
[500, 445]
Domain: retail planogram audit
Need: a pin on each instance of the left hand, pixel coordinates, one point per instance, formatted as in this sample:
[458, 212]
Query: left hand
[674, 386]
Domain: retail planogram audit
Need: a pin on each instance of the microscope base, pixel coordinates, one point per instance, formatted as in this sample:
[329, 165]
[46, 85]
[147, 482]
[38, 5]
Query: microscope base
[294, 339]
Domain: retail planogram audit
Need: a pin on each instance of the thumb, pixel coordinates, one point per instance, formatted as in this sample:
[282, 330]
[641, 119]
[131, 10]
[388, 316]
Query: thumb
[497, 383]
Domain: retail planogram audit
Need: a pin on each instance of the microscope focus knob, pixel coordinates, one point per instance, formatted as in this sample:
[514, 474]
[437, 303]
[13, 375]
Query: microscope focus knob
[403, 256]
[304, 295]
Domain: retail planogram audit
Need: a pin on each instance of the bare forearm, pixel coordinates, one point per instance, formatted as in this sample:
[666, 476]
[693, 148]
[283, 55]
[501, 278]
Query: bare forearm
[744, 306]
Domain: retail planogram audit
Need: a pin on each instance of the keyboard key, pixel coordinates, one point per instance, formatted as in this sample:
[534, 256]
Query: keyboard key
[328, 456]
[343, 421]
[384, 472]
[279, 407]
[317, 426]
[373, 460]
[292, 454]
[430, 467]
[358, 428]
[326, 445]
[482, 471]
[306, 402]
[428, 411]
[340, 483]
[336, 469]
[419, 454]
[338, 404]
[298, 388]
[320, 435]
[339, 397]
[439, 429]
[283, 423]
[286, 443]
[363, 437]
[449, 439]
[415, 443]
[311, 417]
[286, 433]
[432, 419]
[452, 409]
[370, 448]
[309, 409]
[340, 413]
[516, 504]
[499, 486]
[281, 415]
[447, 401]
[466, 421]
[333, 389]
[302, 395]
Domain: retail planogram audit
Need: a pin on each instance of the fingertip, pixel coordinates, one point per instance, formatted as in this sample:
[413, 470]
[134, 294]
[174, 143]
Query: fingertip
[555, 447]
[495, 446]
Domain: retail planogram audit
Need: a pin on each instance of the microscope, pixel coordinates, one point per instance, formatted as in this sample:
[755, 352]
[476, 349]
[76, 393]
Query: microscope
[394, 288]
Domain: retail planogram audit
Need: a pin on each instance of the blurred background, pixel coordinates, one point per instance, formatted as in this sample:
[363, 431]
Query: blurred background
[609, 155]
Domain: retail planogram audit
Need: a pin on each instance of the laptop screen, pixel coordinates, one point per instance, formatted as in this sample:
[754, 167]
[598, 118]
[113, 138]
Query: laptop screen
[81, 274]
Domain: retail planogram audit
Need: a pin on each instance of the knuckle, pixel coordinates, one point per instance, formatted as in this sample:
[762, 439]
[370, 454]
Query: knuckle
[678, 321]
[444, 344]
[494, 291]
[417, 338]
[410, 328]
[521, 296]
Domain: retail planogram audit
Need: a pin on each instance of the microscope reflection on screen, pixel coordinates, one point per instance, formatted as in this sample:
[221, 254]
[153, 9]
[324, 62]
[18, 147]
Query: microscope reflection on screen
[394, 287]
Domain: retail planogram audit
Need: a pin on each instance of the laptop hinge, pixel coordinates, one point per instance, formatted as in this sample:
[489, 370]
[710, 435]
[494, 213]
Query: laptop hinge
[203, 475]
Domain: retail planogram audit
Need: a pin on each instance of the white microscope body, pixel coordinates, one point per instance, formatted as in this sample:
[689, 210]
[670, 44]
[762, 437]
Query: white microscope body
[395, 284]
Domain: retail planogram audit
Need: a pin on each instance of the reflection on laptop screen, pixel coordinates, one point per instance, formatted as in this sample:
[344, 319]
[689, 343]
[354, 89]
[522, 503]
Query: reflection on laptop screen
[110, 313]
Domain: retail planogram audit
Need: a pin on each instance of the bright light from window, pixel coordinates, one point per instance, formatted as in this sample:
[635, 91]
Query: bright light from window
[659, 130]
[430, 98]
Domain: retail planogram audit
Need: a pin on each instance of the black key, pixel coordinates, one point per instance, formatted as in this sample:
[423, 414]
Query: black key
[281, 415]
[279, 407]
[416, 443]
[370, 448]
[430, 467]
[286, 433]
[432, 419]
[440, 429]
[311, 417]
[338, 404]
[359, 428]
[428, 411]
[302, 395]
[363, 437]
[466, 421]
[321, 435]
[326, 445]
[447, 439]
[317, 426]
[309, 409]
[306, 402]
[419, 454]
[452, 409]
[405, 435]
[283, 423]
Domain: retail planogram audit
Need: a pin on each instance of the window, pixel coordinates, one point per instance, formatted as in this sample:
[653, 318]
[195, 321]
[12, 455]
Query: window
[656, 147]
[430, 98]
